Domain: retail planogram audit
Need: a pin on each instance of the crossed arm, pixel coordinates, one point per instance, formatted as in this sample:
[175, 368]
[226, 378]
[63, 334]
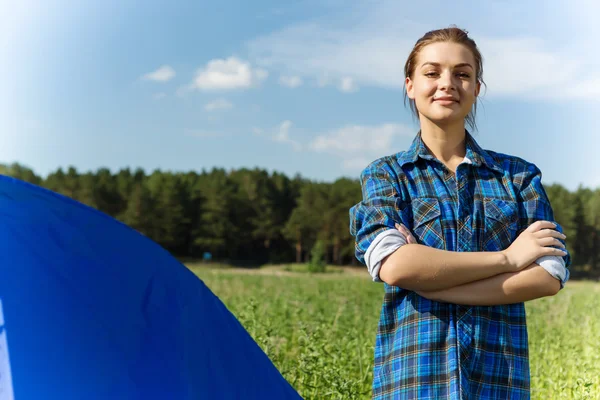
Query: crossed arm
[471, 278]
[478, 278]
[530, 283]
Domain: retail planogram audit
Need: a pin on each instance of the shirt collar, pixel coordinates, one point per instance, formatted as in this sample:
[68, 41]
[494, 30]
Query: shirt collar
[474, 153]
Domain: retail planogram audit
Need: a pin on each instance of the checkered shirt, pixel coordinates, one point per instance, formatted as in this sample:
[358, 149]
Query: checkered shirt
[432, 350]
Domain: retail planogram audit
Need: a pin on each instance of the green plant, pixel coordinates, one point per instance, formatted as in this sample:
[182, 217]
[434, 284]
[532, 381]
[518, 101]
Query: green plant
[317, 258]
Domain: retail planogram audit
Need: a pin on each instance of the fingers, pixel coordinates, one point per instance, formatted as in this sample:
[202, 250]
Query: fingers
[550, 251]
[404, 231]
[549, 241]
[549, 233]
[537, 225]
[409, 237]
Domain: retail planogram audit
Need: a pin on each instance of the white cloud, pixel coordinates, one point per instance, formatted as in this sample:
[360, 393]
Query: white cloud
[228, 74]
[359, 139]
[372, 51]
[588, 89]
[163, 74]
[280, 135]
[522, 66]
[347, 85]
[290, 81]
[369, 56]
[283, 135]
[356, 164]
[355, 144]
[219, 104]
[158, 96]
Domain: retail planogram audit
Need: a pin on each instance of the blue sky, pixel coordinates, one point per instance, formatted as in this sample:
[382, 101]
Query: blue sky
[309, 87]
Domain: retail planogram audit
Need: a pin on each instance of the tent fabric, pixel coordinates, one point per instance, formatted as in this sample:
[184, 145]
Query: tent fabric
[93, 309]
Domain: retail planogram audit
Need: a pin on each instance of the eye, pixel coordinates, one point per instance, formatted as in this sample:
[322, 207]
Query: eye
[465, 75]
[430, 74]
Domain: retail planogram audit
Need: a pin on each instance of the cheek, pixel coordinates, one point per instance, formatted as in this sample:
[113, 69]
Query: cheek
[428, 88]
[424, 91]
[469, 89]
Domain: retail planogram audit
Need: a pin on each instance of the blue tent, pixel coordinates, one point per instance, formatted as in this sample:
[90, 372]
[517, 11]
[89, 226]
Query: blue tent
[92, 309]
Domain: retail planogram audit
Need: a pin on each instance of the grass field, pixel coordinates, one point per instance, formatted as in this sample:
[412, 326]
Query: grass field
[319, 330]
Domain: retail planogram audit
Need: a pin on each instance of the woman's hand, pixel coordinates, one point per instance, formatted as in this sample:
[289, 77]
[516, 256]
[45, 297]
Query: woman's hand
[410, 239]
[533, 243]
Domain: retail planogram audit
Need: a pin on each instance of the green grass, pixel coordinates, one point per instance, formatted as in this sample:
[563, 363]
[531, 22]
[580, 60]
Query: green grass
[319, 330]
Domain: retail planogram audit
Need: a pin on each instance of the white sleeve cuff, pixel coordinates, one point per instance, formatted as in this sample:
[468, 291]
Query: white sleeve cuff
[384, 244]
[555, 266]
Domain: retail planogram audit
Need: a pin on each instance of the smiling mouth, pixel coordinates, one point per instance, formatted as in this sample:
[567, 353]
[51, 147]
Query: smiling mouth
[446, 99]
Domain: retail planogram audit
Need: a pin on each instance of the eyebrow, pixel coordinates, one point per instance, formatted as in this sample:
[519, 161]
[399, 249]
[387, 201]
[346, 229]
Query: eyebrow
[438, 64]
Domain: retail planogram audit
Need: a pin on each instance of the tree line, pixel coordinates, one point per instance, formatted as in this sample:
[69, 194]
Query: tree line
[252, 217]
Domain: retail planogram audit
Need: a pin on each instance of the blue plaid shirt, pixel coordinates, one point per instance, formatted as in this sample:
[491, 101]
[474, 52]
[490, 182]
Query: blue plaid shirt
[433, 350]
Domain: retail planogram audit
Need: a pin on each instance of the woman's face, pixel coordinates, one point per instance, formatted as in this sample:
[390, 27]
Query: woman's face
[444, 85]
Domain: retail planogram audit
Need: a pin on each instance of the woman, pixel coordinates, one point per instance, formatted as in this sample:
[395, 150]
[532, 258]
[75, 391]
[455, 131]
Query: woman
[461, 238]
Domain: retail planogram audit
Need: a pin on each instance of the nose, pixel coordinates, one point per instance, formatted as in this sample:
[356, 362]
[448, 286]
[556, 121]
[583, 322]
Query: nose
[446, 81]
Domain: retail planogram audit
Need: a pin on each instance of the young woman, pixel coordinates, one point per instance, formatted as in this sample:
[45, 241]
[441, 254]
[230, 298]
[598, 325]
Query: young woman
[461, 238]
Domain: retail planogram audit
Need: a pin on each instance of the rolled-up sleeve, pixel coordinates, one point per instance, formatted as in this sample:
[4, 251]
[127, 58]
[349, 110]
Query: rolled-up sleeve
[384, 244]
[555, 266]
[381, 207]
[534, 205]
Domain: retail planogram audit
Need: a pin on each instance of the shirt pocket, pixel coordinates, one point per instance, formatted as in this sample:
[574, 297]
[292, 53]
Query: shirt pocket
[501, 224]
[427, 224]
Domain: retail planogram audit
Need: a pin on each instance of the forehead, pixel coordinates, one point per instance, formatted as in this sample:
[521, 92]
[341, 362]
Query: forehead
[445, 53]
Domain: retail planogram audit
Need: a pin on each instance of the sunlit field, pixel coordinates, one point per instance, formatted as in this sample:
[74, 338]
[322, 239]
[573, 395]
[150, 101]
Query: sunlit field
[319, 329]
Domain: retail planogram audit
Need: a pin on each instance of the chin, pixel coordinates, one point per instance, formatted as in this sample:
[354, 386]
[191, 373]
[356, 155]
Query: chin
[445, 118]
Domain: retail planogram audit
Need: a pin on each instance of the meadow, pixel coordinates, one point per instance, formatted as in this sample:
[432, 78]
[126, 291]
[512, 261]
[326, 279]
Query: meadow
[319, 329]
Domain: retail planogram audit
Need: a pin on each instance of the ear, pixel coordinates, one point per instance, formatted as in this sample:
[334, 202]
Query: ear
[477, 88]
[409, 88]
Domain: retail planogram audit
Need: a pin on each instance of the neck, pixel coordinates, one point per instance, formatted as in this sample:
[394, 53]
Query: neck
[447, 142]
